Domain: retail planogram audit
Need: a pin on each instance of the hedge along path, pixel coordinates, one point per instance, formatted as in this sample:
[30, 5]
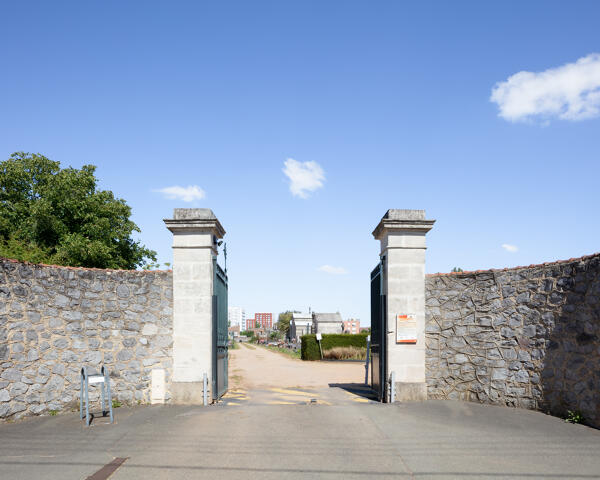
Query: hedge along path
[260, 368]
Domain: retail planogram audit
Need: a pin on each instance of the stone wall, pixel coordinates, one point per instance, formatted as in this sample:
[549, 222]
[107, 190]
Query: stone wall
[54, 320]
[526, 337]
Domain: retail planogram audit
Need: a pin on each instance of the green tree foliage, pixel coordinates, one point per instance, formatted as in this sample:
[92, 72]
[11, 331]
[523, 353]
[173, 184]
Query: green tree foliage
[457, 270]
[284, 320]
[58, 215]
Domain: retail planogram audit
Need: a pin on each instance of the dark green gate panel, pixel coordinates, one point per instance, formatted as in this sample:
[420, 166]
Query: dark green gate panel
[378, 332]
[220, 333]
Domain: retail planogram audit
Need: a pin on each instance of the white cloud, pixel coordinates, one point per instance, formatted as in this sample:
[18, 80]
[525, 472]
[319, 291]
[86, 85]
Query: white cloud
[186, 194]
[305, 177]
[332, 270]
[510, 248]
[568, 92]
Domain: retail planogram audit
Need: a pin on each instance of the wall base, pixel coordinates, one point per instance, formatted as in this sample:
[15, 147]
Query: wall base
[411, 391]
[187, 393]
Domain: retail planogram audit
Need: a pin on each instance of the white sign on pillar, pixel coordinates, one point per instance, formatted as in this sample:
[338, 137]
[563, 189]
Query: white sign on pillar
[402, 236]
[195, 235]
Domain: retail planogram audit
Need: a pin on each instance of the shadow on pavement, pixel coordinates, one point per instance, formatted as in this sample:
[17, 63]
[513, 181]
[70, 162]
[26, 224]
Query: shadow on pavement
[358, 389]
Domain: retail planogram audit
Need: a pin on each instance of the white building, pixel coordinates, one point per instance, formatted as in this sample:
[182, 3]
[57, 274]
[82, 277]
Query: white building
[237, 317]
[327, 323]
[303, 323]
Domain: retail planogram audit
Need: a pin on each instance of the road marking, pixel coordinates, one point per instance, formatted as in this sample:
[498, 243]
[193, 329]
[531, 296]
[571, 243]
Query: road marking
[107, 470]
[282, 403]
[233, 403]
[287, 391]
[361, 400]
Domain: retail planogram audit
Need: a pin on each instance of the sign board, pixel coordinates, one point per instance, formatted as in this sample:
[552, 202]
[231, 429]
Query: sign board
[95, 379]
[319, 337]
[406, 329]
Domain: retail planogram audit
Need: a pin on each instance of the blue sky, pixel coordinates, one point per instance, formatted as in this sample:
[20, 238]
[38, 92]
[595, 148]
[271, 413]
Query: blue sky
[391, 101]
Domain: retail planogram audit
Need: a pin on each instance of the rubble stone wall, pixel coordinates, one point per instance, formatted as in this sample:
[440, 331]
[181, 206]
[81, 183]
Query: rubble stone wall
[525, 337]
[54, 320]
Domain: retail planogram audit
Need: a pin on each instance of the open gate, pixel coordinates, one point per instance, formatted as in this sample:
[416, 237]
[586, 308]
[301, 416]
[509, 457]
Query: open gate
[220, 333]
[378, 332]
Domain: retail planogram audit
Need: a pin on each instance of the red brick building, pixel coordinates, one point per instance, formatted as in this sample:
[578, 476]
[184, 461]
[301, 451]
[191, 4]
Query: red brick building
[351, 326]
[265, 320]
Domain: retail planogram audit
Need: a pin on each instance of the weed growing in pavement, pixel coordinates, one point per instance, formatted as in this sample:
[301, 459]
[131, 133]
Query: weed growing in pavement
[574, 416]
[53, 412]
[116, 404]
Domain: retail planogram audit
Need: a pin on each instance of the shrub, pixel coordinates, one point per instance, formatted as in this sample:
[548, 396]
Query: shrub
[309, 349]
[310, 346]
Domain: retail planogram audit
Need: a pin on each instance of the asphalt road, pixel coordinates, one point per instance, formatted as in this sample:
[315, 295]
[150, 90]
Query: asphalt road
[435, 439]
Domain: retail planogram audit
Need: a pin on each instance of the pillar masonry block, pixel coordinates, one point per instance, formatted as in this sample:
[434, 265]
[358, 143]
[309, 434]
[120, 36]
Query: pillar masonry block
[195, 235]
[402, 237]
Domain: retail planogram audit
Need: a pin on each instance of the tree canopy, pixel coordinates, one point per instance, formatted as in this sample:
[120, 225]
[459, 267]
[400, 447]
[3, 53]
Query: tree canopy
[283, 322]
[58, 215]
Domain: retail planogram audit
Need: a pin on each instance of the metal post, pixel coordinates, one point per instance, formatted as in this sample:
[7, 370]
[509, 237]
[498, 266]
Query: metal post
[87, 398]
[205, 384]
[81, 397]
[102, 398]
[392, 387]
[367, 361]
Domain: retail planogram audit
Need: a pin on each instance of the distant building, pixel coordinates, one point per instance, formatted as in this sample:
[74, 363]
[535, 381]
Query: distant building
[234, 331]
[352, 325]
[327, 323]
[265, 320]
[300, 324]
[237, 317]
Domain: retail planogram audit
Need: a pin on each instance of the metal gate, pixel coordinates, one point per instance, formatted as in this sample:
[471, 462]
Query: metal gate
[220, 333]
[378, 332]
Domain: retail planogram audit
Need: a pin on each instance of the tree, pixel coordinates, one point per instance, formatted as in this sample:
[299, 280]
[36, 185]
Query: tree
[58, 215]
[457, 270]
[283, 322]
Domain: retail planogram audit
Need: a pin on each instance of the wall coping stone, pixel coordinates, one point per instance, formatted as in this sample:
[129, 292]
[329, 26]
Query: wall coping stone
[67, 267]
[507, 269]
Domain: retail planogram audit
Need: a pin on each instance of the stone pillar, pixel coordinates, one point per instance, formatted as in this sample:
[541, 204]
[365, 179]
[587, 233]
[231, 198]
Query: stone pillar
[402, 236]
[195, 235]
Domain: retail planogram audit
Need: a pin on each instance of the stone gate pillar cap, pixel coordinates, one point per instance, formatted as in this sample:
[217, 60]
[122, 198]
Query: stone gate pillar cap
[399, 220]
[194, 219]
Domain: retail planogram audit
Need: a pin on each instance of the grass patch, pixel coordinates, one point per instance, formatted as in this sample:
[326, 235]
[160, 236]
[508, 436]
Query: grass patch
[234, 345]
[345, 353]
[247, 345]
[285, 351]
[53, 413]
[116, 404]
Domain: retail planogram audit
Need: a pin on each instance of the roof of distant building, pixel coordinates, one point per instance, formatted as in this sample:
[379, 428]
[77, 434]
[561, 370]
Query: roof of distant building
[327, 317]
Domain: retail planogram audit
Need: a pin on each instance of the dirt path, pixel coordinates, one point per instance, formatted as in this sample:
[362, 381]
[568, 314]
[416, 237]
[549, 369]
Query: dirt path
[254, 367]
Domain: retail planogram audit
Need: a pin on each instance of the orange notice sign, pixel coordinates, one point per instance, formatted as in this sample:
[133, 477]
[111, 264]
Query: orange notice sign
[406, 329]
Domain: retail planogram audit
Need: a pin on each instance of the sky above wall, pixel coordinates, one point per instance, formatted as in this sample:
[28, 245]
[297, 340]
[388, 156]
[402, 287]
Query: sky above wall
[301, 123]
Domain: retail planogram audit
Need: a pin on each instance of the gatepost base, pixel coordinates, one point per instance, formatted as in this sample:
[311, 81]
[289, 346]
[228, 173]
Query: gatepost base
[411, 391]
[187, 393]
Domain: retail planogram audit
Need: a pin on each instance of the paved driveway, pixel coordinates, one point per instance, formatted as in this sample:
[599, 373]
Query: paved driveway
[287, 419]
[435, 439]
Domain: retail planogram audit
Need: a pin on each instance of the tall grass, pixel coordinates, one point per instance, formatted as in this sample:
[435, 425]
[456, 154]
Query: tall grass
[345, 353]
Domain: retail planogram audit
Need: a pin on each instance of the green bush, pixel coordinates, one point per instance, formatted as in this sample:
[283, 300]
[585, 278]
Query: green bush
[310, 346]
[309, 349]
